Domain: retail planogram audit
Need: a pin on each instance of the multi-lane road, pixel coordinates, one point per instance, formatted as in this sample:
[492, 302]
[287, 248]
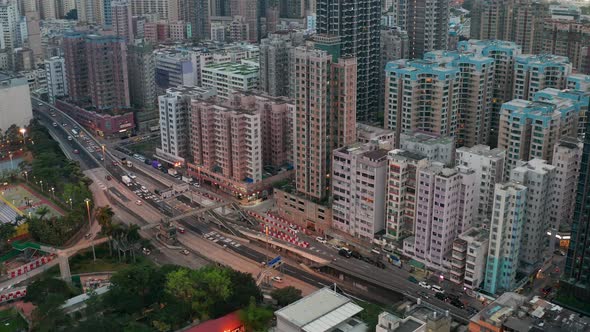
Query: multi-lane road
[391, 278]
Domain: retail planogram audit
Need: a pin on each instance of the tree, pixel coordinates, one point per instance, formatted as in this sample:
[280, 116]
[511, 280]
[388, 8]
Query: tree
[7, 231]
[255, 318]
[135, 288]
[286, 295]
[40, 290]
[104, 216]
[49, 316]
[243, 286]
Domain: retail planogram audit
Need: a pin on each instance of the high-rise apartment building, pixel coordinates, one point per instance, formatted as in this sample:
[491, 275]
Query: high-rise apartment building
[421, 96]
[539, 178]
[530, 129]
[359, 177]
[90, 11]
[57, 83]
[173, 68]
[475, 94]
[401, 193]
[121, 20]
[357, 23]
[569, 38]
[580, 100]
[519, 21]
[141, 65]
[576, 278]
[175, 108]
[107, 72]
[394, 46]
[504, 54]
[446, 203]
[488, 165]
[508, 217]
[274, 65]
[533, 73]
[567, 157]
[233, 141]
[74, 48]
[9, 19]
[426, 22]
[249, 10]
[145, 7]
[325, 116]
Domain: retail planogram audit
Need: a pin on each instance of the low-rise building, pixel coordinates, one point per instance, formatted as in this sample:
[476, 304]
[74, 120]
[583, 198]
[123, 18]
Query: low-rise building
[310, 215]
[366, 133]
[434, 147]
[322, 311]
[227, 78]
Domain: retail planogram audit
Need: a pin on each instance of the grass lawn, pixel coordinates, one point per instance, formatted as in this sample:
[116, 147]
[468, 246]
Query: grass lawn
[84, 263]
[11, 321]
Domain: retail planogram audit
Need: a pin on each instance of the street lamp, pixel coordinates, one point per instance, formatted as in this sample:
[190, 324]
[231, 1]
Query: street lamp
[41, 183]
[26, 176]
[23, 132]
[53, 192]
[103, 156]
[87, 201]
[70, 200]
[11, 164]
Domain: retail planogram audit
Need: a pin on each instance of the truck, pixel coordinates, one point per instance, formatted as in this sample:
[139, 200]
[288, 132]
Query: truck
[172, 171]
[156, 164]
[126, 180]
[128, 163]
[187, 179]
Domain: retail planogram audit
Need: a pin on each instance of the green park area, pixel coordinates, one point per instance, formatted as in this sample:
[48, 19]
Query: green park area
[11, 321]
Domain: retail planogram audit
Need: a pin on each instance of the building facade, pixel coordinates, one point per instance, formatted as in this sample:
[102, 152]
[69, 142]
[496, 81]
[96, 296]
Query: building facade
[435, 148]
[15, 108]
[508, 217]
[533, 73]
[141, 65]
[358, 190]
[325, 116]
[470, 249]
[228, 78]
[57, 83]
[488, 165]
[357, 23]
[122, 22]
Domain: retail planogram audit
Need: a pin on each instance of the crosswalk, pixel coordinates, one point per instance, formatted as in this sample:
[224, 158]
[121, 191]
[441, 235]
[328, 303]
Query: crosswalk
[101, 185]
[217, 238]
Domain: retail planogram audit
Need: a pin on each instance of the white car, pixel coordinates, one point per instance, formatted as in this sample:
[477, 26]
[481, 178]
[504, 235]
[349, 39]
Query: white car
[138, 202]
[184, 252]
[321, 240]
[424, 285]
[277, 279]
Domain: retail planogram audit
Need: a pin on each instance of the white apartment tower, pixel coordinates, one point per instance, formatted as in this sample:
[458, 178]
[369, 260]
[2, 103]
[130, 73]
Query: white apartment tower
[539, 178]
[470, 250]
[567, 156]
[401, 193]
[488, 165]
[122, 20]
[175, 108]
[55, 71]
[446, 203]
[359, 174]
[508, 218]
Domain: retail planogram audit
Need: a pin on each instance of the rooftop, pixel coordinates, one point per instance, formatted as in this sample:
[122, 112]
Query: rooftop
[399, 154]
[233, 68]
[319, 311]
[425, 138]
[483, 150]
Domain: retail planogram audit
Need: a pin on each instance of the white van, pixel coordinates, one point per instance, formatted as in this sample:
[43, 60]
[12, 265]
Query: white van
[437, 289]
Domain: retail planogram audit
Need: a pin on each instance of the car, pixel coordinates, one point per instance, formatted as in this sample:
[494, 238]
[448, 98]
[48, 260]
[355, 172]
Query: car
[423, 294]
[76, 151]
[146, 251]
[471, 310]
[437, 289]
[441, 296]
[115, 163]
[321, 239]
[88, 235]
[559, 252]
[423, 284]
[380, 264]
[277, 279]
[184, 252]
[101, 158]
[53, 114]
[344, 252]
[64, 124]
[356, 254]
[54, 124]
[70, 138]
[39, 104]
[109, 178]
[181, 230]
[293, 227]
[262, 263]
[412, 279]
[546, 290]
[457, 303]
[138, 202]
[132, 176]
